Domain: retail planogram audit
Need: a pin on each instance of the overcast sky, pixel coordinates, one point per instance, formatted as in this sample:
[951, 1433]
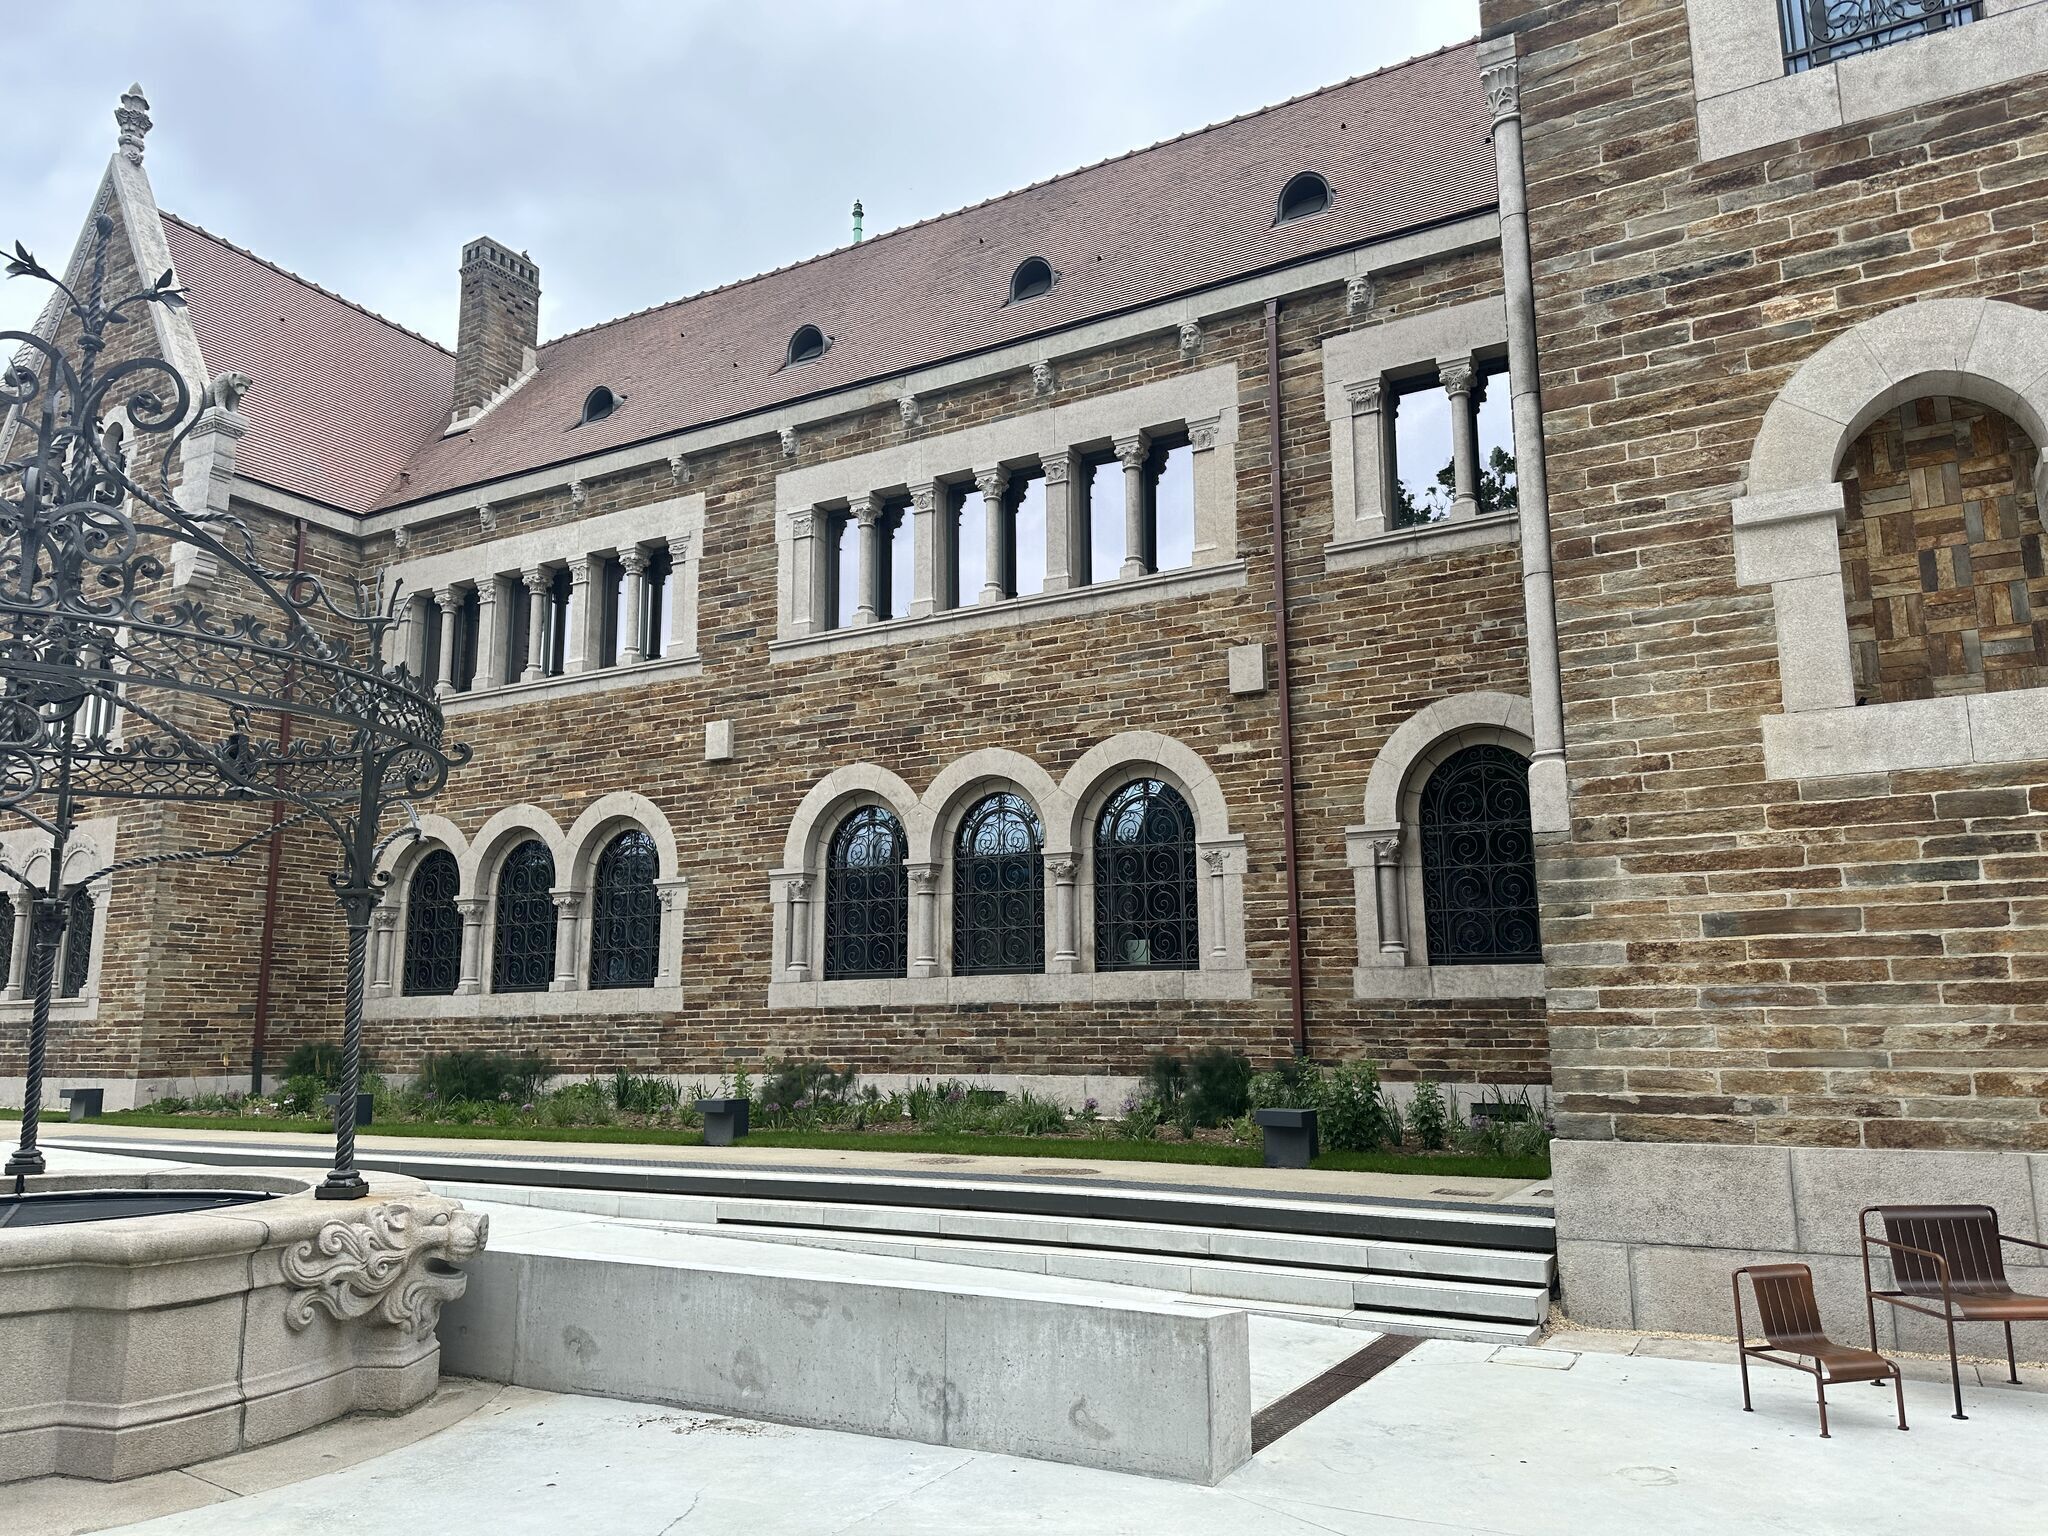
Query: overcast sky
[640, 150]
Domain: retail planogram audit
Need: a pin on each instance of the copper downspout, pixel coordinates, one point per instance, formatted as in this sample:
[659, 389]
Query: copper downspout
[1296, 1001]
[273, 860]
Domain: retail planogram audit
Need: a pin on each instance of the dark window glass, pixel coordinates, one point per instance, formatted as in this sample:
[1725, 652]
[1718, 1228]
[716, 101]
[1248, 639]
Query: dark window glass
[867, 897]
[523, 941]
[77, 965]
[468, 626]
[807, 345]
[1306, 194]
[6, 940]
[1817, 32]
[612, 600]
[999, 889]
[654, 600]
[561, 589]
[1145, 881]
[598, 404]
[428, 614]
[1030, 280]
[433, 928]
[1479, 860]
[518, 627]
[625, 913]
[842, 568]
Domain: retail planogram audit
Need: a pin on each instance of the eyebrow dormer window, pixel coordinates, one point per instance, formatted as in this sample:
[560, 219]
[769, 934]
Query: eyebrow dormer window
[598, 404]
[806, 346]
[1031, 280]
[1306, 195]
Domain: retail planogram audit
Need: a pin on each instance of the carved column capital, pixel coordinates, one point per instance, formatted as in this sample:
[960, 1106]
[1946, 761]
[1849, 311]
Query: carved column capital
[1458, 377]
[924, 500]
[1387, 850]
[1131, 451]
[448, 599]
[536, 580]
[633, 559]
[990, 482]
[1056, 466]
[1503, 88]
[1366, 397]
[863, 509]
[1202, 434]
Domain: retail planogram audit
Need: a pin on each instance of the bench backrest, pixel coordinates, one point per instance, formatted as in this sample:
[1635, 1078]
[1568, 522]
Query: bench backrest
[1787, 1314]
[1965, 1235]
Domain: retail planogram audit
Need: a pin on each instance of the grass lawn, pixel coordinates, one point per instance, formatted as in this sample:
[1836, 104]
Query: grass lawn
[1167, 1149]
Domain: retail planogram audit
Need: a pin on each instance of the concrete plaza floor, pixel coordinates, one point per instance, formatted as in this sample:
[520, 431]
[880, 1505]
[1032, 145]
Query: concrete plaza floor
[1454, 1438]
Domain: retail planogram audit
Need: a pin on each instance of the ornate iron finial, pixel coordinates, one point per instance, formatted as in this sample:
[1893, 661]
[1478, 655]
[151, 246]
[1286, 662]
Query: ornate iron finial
[133, 117]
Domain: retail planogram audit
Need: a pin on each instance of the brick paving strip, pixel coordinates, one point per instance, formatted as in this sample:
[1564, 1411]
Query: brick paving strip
[1339, 1381]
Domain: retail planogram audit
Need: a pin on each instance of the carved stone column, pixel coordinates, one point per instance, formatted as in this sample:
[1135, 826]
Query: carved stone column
[537, 583]
[581, 651]
[472, 910]
[798, 945]
[991, 483]
[448, 600]
[682, 598]
[490, 645]
[1458, 380]
[1371, 503]
[674, 896]
[634, 563]
[804, 584]
[1391, 900]
[1219, 940]
[383, 941]
[924, 919]
[568, 953]
[1066, 938]
[1061, 534]
[864, 513]
[1131, 452]
[927, 558]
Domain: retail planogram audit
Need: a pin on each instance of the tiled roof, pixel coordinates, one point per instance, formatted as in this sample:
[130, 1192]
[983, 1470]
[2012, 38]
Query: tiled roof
[341, 397]
[1401, 148]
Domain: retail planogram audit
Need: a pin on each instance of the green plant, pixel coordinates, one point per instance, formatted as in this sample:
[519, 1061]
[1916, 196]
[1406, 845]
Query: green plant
[1429, 1118]
[1028, 1115]
[634, 1095]
[302, 1094]
[1140, 1122]
[1297, 1083]
[1206, 1089]
[807, 1089]
[321, 1059]
[478, 1077]
[1352, 1114]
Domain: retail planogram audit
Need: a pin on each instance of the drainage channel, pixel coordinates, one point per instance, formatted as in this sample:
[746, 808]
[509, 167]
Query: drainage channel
[1339, 1381]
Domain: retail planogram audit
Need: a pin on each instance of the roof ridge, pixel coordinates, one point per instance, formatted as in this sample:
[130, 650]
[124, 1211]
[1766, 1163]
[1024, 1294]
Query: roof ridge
[303, 282]
[1000, 197]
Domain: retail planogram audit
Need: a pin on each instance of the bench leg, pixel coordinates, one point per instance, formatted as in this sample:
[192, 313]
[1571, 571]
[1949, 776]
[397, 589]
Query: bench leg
[1821, 1391]
[1742, 1355]
[1955, 1371]
[1899, 1386]
[2012, 1364]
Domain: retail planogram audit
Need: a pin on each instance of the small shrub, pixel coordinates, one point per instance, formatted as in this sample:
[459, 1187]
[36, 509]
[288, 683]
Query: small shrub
[1166, 1079]
[1029, 1115]
[807, 1090]
[1206, 1089]
[1429, 1118]
[1296, 1083]
[321, 1059]
[302, 1094]
[172, 1105]
[1140, 1122]
[1352, 1116]
[479, 1077]
[633, 1095]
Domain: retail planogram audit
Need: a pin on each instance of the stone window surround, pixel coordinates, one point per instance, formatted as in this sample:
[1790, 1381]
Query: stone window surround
[1385, 854]
[438, 581]
[477, 862]
[1357, 368]
[1744, 99]
[1787, 534]
[1066, 811]
[28, 850]
[1204, 404]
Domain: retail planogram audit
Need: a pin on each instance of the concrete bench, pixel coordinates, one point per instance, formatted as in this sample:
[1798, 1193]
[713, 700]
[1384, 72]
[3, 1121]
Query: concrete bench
[365, 1106]
[1290, 1137]
[725, 1120]
[84, 1103]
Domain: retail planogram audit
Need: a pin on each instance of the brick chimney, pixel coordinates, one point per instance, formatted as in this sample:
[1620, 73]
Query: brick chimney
[499, 326]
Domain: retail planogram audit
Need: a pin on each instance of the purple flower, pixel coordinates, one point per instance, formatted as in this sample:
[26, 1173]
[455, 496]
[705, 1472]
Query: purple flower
[526, 1109]
[431, 1094]
[1089, 1107]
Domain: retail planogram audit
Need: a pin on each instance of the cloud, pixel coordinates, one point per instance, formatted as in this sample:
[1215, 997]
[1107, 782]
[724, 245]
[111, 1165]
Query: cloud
[639, 151]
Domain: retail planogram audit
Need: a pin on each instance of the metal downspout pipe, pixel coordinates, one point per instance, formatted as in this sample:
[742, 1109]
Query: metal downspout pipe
[1297, 1003]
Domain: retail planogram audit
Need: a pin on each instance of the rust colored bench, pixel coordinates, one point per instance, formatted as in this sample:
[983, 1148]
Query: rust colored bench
[1948, 1262]
[1789, 1316]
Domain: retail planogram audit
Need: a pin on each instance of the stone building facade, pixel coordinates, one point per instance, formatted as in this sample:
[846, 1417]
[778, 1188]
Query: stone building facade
[1040, 637]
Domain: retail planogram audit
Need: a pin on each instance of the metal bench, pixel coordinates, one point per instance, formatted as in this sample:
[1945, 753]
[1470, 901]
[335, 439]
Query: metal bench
[1948, 1262]
[1789, 1316]
[1291, 1140]
[84, 1103]
[725, 1120]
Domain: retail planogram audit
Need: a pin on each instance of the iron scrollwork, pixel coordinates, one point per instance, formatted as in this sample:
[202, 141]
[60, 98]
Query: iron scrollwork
[1817, 32]
[867, 897]
[1145, 902]
[1479, 860]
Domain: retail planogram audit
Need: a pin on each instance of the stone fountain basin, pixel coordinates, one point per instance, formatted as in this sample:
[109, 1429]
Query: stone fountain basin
[137, 1343]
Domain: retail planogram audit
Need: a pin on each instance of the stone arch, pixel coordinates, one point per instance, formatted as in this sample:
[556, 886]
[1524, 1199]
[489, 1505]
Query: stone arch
[963, 781]
[820, 810]
[1786, 524]
[499, 835]
[1431, 733]
[1113, 763]
[600, 820]
[400, 860]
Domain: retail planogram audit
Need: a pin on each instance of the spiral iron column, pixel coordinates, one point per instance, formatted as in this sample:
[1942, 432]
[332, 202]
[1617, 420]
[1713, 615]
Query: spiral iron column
[343, 1182]
[46, 924]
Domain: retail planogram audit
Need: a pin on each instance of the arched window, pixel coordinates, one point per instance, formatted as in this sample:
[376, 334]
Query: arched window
[999, 889]
[433, 928]
[1479, 860]
[807, 345]
[77, 966]
[523, 936]
[1145, 881]
[625, 913]
[1032, 278]
[598, 404]
[1303, 195]
[867, 897]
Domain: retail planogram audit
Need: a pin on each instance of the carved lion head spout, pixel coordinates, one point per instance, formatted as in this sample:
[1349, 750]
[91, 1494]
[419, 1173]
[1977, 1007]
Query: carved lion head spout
[400, 1263]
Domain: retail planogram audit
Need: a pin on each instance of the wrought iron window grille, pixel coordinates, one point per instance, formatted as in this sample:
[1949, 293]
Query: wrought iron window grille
[999, 889]
[433, 928]
[625, 914]
[1479, 860]
[523, 921]
[867, 897]
[1145, 914]
[1817, 32]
